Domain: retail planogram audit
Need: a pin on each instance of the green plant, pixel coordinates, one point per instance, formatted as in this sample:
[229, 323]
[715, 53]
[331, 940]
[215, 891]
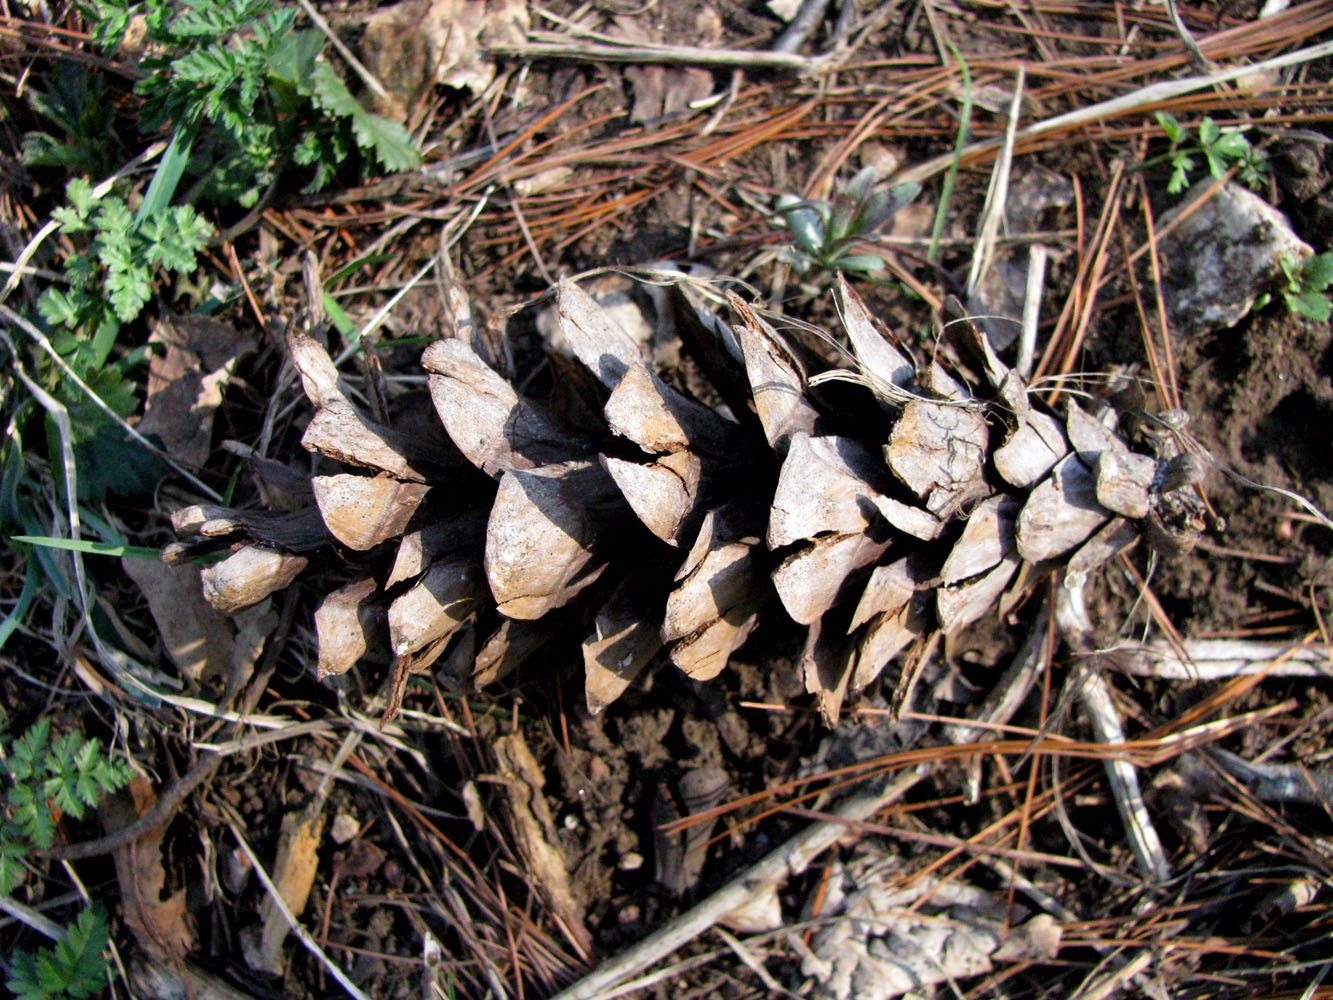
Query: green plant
[247, 93]
[1220, 148]
[48, 777]
[827, 234]
[72, 967]
[1307, 286]
[66, 775]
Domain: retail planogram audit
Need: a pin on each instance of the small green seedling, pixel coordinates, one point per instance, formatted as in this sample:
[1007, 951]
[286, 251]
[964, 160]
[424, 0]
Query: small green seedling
[1308, 281]
[1220, 148]
[827, 234]
[46, 777]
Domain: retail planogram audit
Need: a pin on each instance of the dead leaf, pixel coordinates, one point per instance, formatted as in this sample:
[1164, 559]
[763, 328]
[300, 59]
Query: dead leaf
[412, 46]
[161, 925]
[534, 831]
[185, 383]
[197, 637]
[659, 90]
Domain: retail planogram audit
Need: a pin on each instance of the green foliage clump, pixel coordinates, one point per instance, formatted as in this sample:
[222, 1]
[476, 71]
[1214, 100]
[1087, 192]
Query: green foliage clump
[1220, 148]
[826, 234]
[72, 967]
[47, 776]
[249, 91]
[1307, 287]
[67, 774]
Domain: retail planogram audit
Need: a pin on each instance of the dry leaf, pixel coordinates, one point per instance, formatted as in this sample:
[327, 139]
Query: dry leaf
[197, 637]
[361, 511]
[185, 383]
[161, 924]
[412, 46]
[535, 834]
[247, 576]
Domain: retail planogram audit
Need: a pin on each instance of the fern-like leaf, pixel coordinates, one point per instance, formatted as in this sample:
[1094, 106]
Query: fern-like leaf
[73, 967]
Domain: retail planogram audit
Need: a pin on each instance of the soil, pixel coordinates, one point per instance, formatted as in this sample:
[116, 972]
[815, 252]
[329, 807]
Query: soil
[434, 854]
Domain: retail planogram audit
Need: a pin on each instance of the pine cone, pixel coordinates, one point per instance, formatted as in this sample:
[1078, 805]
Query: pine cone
[874, 518]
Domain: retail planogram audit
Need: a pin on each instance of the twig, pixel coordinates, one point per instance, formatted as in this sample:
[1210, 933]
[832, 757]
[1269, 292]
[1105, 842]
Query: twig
[684, 55]
[367, 77]
[1027, 336]
[1215, 659]
[996, 194]
[791, 858]
[301, 933]
[1117, 106]
[1095, 694]
[802, 26]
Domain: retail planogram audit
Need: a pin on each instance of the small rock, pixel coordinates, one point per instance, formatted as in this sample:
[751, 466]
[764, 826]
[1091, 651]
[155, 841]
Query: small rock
[631, 861]
[345, 827]
[1222, 257]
